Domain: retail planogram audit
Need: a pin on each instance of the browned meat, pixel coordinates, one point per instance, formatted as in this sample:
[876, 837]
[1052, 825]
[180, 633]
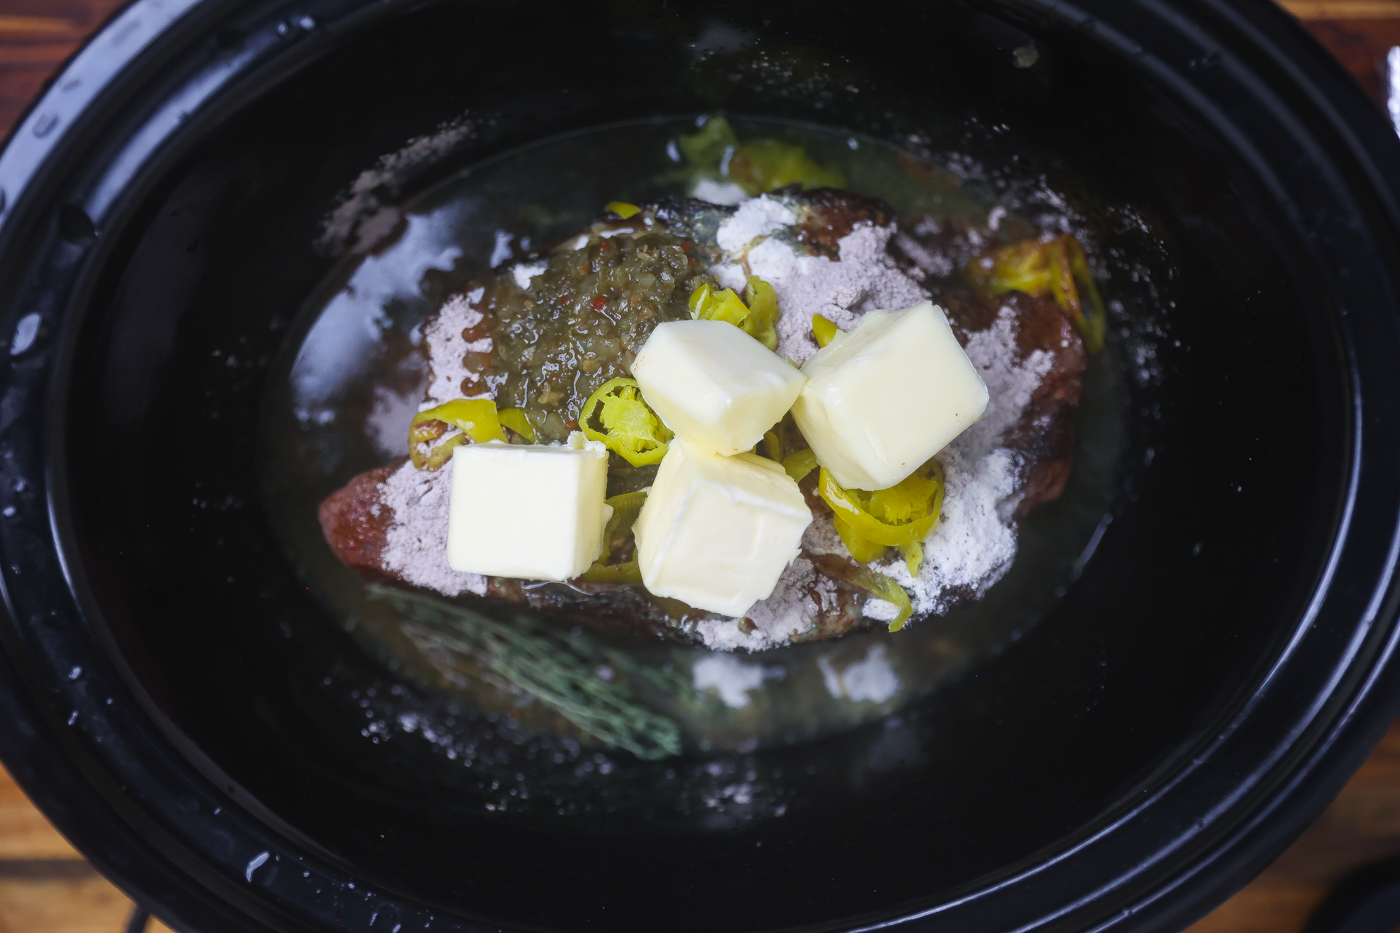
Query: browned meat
[1045, 434]
[355, 520]
[355, 523]
[832, 213]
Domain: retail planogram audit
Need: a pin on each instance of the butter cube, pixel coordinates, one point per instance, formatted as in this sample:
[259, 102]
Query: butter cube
[714, 385]
[716, 532]
[532, 512]
[884, 398]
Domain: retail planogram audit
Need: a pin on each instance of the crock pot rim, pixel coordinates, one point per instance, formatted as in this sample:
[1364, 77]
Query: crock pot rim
[53, 772]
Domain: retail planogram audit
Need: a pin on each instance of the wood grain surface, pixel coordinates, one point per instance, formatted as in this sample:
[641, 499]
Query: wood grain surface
[46, 887]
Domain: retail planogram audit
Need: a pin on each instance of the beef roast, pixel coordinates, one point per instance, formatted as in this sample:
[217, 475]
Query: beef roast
[356, 519]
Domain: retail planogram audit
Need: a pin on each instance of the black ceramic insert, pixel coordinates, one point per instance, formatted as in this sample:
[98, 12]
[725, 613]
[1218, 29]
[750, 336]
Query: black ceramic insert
[1216, 672]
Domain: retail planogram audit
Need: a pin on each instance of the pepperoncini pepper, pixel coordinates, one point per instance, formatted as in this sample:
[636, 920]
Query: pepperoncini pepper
[616, 415]
[622, 209]
[874, 583]
[708, 304]
[758, 318]
[767, 164]
[476, 418]
[1055, 267]
[824, 330]
[761, 324]
[901, 516]
[758, 166]
[799, 463]
[514, 418]
[887, 588]
[625, 509]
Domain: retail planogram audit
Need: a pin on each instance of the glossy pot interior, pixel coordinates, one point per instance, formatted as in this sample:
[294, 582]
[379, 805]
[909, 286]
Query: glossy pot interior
[1235, 499]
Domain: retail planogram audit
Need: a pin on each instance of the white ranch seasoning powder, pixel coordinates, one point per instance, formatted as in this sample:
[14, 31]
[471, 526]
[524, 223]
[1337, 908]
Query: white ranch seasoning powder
[800, 594]
[970, 548]
[415, 546]
[864, 279]
[974, 542]
[447, 349]
[755, 217]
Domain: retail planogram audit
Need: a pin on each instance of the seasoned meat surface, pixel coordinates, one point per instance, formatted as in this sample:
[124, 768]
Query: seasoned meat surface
[589, 307]
[1045, 432]
[355, 523]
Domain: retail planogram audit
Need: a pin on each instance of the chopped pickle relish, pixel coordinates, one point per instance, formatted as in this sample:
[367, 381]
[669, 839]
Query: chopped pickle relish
[581, 321]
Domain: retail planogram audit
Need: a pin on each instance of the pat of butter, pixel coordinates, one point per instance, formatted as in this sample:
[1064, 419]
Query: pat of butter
[714, 385]
[531, 512]
[716, 532]
[884, 398]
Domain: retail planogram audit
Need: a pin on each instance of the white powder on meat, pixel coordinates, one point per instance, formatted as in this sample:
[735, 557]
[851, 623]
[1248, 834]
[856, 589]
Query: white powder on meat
[1010, 384]
[756, 217]
[800, 594]
[974, 542]
[969, 549]
[730, 275]
[447, 349]
[931, 263]
[864, 279]
[415, 546]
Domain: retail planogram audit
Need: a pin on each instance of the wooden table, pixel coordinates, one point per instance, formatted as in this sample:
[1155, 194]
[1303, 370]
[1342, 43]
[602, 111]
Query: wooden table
[46, 887]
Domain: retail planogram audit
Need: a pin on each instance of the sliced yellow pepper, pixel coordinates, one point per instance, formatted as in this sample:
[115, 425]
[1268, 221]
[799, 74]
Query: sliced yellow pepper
[800, 463]
[1056, 268]
[913, 555]
[706, 148]
[862, 548]
[772, 446]
[824, 330]
[761, 323]
[626, 508]
[514, 418]
[708, 304]
[879, 585]
[767, 164]
[901, 516]
[624, 422]
[758, 318]
[623, 209]
[887, 588]
[757, 167]
[476, 417]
